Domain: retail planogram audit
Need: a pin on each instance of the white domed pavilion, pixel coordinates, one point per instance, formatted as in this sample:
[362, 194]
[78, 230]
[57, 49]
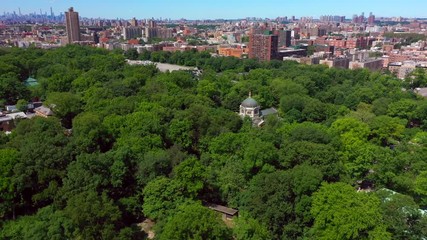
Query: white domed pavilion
[249, 107]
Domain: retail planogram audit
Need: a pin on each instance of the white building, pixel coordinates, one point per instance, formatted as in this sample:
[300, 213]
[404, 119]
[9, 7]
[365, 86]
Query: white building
[249, 107]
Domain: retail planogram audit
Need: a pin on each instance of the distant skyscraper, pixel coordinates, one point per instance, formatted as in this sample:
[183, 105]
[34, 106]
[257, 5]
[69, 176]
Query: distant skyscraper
[151, 23]
[371, 19]
[72, 25]
[133, 22]
[355, 19]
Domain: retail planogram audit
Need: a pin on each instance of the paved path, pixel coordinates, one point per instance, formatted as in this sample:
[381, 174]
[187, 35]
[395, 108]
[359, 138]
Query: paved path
[163, 67]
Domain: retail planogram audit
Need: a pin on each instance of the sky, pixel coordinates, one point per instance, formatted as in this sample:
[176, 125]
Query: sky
[215, 9]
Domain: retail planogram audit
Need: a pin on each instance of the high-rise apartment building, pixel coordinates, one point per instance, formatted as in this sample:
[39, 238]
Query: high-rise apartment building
[263, 46]
[72, 25]
[371, 19]
[284, 38]
[150, 23]
[131, 32]
[133, 22]
[359, 19]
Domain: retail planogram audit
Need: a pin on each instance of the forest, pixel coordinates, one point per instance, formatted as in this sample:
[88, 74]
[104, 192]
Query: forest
[344, 158]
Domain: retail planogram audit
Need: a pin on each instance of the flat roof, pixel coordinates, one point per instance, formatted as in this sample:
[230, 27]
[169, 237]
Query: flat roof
[5, 118]
[268, 111]
[291, 50]
[222, 209]
[17, 115]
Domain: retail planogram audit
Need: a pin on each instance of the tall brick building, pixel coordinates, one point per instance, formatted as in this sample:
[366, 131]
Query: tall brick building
[284, 37]
[263, 46]
[72, 25]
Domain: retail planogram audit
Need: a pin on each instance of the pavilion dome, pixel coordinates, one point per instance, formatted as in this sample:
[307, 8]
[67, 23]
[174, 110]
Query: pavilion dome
[250, 103]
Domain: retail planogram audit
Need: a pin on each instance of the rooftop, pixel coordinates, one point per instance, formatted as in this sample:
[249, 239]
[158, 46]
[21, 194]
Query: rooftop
[44, 110]
[17, 115]
[5, 118]
[30, 82]
[250, 102]
[268, 111]
[222, 209]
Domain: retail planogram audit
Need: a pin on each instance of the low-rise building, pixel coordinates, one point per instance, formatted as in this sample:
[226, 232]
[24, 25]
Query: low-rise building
[8, 121]
[303, 60]
[239, 51]
[403, 69]
[371, 64]
[338, 62]
[43, 111]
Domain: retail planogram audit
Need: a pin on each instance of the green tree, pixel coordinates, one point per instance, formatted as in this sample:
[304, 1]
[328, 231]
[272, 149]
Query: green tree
[281, 200]
[194, 222]
[306, 131]
[154, 163]
[44, 154]
[402, 215]
[190, 175]
[421, 186]
[8, 159]
[416, 79]
[90, 78]
[380, 106]
[93, 215]
[65, 106]
[387, 130]
[89, 134]
[355, 152]
[350, 127]
[403, 108]
[11, 89]
[22, 105]
[231, 179]
[248, 228]
[162, 196]
[363, 113]
[131, 54]
[420, 114]
[45, 224]
[342, 213]
[322, 156]
[89, 172]
[180, 132]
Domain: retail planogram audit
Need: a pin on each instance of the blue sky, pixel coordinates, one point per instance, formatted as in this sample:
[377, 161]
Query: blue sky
[211, 9]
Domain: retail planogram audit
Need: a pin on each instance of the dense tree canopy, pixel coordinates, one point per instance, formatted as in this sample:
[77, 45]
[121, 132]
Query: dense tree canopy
[340, 212]
[128, 142]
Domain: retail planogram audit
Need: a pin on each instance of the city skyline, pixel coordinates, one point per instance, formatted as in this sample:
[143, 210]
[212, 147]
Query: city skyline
[191, 9]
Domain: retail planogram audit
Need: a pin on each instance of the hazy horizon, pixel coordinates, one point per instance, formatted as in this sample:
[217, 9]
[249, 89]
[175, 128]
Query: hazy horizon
[219, 9]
